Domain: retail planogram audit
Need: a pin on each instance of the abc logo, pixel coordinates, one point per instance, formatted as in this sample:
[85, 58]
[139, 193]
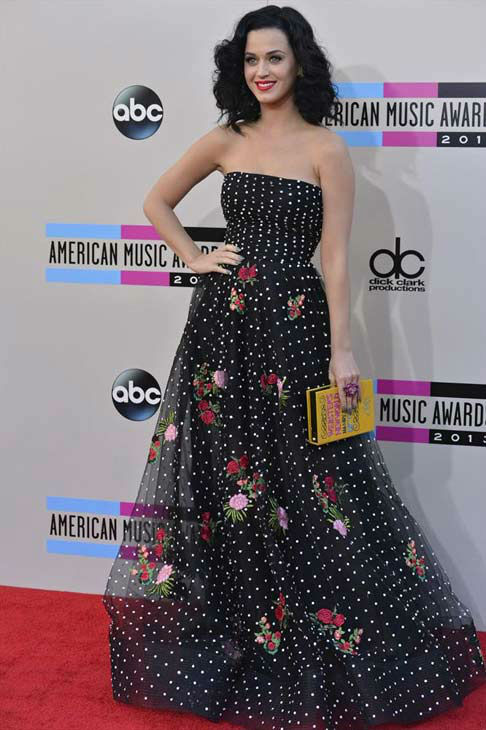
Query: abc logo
[136, 394]
[137, 112]
[396, 262]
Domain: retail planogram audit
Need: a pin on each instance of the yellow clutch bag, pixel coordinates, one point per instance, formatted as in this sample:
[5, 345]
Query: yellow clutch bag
[326, 421]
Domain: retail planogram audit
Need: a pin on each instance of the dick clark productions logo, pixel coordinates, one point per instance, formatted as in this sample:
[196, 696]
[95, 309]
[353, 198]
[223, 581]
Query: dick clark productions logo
[396, 269]
[137, 112]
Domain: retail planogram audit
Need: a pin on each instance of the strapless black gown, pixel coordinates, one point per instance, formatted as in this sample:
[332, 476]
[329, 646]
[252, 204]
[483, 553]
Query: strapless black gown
[268, 582]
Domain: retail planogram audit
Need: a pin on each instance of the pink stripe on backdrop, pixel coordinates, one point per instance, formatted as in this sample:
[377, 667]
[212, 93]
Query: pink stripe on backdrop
[424, 90]
[141, 233]
[397, 433]
[147, 278]
[143, 510]
[409, 139]
[402, 387]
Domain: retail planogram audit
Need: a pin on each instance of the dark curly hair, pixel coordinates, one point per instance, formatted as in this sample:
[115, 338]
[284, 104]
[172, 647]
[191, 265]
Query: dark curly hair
[314, 94]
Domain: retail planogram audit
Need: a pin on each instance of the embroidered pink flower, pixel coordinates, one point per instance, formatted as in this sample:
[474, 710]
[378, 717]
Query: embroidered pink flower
[238, 501]
[220, 377]
[170, 432]
[278, 519]
[340, 527]
[282, 517]
[164, 573]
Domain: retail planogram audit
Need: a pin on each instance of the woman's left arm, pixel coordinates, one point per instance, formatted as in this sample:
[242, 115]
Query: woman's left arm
[338, 186]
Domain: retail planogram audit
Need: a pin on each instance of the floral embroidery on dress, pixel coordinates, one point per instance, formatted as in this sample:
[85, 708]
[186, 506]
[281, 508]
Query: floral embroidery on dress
[206, 383]
[294, 304]
[168, 429]
[237, 301]
[330, 500]
[278, 517]
[157, 580]
[330, 622]
[250, 488]
[413, 562]
[270, 640]
[266, 382]
[208, 527]
[247, 274]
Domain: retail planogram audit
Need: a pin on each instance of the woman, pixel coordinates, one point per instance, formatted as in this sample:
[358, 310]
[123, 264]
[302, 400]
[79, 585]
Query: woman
[277, 584]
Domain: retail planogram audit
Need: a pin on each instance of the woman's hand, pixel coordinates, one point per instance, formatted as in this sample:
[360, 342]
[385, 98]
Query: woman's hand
[343, 370]
[206, 262]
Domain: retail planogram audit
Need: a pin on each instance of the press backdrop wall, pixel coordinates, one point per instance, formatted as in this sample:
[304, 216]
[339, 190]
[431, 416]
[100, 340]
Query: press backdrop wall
[71, 326]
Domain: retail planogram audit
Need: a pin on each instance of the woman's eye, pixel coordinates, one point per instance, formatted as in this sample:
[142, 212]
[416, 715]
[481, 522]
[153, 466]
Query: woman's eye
[279, 58]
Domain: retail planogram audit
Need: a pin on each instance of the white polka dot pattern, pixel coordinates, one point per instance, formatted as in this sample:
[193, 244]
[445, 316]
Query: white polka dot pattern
[265, 581]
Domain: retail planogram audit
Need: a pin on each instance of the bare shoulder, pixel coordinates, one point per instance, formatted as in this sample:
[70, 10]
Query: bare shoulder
[332, 156]
[329, 143]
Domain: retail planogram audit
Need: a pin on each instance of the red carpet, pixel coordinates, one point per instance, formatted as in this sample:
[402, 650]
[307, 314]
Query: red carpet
[55, 672]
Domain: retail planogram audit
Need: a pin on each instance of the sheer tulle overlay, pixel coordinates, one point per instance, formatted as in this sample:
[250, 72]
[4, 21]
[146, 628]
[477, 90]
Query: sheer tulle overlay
[262, 580]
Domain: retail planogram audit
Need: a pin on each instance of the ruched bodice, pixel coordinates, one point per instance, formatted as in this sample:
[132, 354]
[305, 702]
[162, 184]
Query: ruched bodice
[272, 217]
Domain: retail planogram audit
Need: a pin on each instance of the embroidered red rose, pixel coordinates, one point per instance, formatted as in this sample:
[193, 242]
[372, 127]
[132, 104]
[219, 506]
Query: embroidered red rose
[294, 304]
[326, 620]
[332, 494]
[244, 461]
[232, 467]
[237, 301]
[247, 274]
[248, 488]
[208, 416]
[155, 579]
[208, 384]
[340, 522]
[411, 559]
[264, 636]
[206, 516]
[324, 615]
[205, 533]
[266, 382]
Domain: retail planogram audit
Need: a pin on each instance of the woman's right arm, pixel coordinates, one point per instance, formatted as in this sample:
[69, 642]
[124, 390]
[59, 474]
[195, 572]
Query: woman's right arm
[200, 160]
